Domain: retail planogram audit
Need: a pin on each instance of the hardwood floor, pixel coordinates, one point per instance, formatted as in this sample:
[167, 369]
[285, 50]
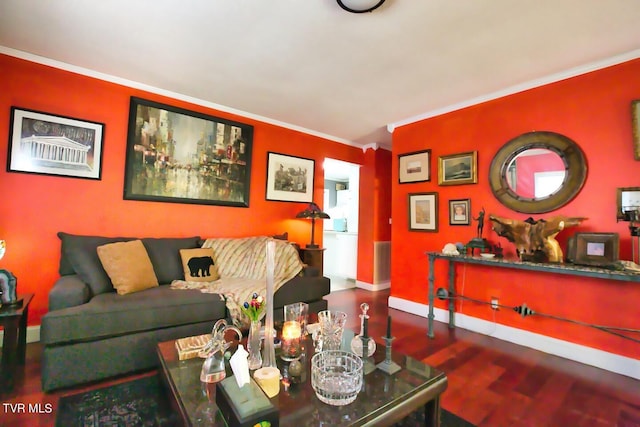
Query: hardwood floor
[492, 383]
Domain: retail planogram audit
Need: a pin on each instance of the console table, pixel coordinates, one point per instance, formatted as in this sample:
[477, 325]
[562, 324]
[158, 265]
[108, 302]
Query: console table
[567, 269]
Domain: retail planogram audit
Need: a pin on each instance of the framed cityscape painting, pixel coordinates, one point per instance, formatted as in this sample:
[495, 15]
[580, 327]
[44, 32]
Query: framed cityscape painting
[180, 156]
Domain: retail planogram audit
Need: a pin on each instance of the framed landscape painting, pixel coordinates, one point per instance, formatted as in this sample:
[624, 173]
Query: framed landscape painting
[180, 156]
[423, 212]
[457, 169]
[289, 178]
[49, 144]
[414, 167]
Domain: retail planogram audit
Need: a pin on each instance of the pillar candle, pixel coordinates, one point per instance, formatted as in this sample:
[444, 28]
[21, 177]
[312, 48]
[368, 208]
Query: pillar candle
[389, 327]
[269, 380]
[365, 326]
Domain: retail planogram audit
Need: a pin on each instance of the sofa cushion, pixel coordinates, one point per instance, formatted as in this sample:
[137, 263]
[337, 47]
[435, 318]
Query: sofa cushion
[198, 265]
[80, 253]
[109, 314]
[165, 256]
[128, 266]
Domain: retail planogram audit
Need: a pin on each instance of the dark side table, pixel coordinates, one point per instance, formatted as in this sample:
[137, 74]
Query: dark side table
[14, 344]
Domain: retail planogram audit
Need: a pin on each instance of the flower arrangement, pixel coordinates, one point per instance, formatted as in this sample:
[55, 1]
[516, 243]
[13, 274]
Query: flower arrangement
[254, 309]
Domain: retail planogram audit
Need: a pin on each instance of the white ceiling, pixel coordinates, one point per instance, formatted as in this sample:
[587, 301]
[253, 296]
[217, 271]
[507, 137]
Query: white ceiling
[309, 65]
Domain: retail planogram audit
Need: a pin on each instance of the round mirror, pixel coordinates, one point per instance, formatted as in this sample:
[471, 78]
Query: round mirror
[537, 172]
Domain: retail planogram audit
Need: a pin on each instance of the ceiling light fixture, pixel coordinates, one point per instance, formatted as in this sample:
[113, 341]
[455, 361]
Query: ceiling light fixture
[360, 6]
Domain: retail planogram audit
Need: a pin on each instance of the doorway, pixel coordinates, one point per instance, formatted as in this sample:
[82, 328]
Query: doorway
[340, 232]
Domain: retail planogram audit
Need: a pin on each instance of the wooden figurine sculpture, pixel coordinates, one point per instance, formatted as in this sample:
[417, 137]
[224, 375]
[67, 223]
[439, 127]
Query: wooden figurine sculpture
[533, 238]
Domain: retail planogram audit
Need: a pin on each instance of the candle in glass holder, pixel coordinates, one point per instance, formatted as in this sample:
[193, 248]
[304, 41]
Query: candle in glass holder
[291, 334]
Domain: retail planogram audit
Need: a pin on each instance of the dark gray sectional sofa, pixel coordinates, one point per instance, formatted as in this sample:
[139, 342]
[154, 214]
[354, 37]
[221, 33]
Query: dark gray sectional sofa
[91, 333]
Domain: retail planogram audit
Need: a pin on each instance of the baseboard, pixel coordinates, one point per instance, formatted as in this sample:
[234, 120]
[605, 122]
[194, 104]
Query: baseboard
[373, 287]
[33, 334]
[579, 353]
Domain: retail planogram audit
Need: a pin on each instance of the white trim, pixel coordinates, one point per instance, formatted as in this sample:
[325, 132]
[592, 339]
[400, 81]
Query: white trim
[573, 72]
[142, 86]
[579, 353]
[373, 146]
[373, 287]
[33, 334]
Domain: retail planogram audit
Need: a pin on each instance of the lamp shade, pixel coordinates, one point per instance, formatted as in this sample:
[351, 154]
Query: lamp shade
[313, 212]
[360, 6]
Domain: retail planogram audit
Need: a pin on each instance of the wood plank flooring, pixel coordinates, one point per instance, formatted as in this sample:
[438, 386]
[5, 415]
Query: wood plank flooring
[492, 383]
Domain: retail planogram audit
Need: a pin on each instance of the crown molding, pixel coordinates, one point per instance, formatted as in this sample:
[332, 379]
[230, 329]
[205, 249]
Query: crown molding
[553, 78]
[142, 86]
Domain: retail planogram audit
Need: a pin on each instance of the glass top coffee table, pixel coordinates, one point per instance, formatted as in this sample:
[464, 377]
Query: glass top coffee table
[384, 400]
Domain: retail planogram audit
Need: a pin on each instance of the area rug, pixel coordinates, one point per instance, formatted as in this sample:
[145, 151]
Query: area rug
[143, 402]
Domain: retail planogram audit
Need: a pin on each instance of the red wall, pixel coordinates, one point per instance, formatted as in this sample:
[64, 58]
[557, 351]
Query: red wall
[36, 207]
[593, 110]
[375, 209]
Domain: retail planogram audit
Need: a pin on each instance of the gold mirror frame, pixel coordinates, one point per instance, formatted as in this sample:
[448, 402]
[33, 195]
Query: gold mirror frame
[575, 171]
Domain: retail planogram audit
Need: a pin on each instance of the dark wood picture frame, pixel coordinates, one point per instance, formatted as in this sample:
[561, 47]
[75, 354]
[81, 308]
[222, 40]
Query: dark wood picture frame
[289, 178]
[181, 156]
[596, 249]
[49, 144]
[423, 212]
[460, 212]
[414, 167]
[628, 204]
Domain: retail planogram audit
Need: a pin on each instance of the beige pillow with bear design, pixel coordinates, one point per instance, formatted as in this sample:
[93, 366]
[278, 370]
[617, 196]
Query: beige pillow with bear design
[198, 265]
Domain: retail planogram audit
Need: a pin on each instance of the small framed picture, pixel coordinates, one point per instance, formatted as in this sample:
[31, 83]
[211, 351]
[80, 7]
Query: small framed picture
[423, 211]
[49, 144]
[457, 169]
[414, 167]
[459, 212]
[289, 178]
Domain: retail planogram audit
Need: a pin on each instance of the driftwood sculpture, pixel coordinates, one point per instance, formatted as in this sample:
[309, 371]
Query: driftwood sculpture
[533, 238]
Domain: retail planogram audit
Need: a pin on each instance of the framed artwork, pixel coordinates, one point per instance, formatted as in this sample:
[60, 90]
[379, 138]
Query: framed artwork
[628, 204]
[289, 178]
[180, 156]
[49, 144]
[459, 212]
[635, 119]
[414, 167]
[423, 211]
[458, 169]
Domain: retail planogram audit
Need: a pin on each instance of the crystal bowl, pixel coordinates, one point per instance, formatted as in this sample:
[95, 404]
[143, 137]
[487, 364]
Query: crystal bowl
[336, 376]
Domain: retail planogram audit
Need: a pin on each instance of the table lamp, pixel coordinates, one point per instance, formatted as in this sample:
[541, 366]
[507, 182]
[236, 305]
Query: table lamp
[313, 212]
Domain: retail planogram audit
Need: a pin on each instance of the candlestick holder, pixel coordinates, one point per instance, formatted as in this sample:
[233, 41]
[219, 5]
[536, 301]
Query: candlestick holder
[388, 365]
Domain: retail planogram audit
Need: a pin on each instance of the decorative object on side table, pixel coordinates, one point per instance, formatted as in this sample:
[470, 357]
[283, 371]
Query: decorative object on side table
[254, 310]
[597, 249]
[479, 242]
[213, 369]
[8, 284]
[388, 365]
[357, 341]
[313, 212]
[535, 239]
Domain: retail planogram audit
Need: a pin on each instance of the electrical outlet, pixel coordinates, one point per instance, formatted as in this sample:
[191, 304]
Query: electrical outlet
[494, 303]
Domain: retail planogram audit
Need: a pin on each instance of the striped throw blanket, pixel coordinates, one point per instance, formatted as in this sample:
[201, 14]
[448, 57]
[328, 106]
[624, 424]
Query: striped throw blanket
[242, 266]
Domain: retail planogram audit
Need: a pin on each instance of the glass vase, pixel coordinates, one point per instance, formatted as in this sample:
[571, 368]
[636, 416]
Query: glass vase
[253, 345]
